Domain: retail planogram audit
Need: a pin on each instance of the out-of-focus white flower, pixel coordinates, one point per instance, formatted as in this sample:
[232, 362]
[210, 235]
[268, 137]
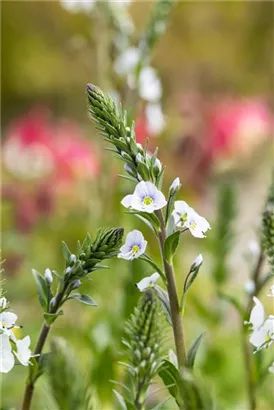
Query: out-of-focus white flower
[262, 334]
[186, 217]
[27, 162]
[146, 198]
[75, 6]
[134, 246]
[271, 368]
[6, 356]
[150, 87]
[253, 248]
[271, 294]
[155, 118]
[23, 353]
[3, 303]
[249, 286]
[127, 61]
[147, 282]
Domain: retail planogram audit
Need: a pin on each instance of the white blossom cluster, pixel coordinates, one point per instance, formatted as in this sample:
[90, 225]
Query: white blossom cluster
[148, 198]
[9, 342]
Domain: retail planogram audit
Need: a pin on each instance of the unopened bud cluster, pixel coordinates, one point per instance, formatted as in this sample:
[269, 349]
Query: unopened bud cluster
[268, 227]
[91, 253]
[115, 128]
[144, 341]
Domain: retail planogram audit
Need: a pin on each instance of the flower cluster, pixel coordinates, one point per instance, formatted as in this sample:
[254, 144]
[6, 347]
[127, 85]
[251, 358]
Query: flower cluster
[8, 340]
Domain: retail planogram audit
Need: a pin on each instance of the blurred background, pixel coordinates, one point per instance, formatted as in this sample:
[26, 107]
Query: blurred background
[205, 97]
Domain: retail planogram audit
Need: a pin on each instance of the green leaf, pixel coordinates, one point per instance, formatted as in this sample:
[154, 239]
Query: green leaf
[66, 252]
[172, 380]
[51, 317]
[121, 400]
[164, 300]
[234, 302]
[42, 289]
[191, 355]
[151, 218]
[171, 245]
[83, 299]
[147, 259]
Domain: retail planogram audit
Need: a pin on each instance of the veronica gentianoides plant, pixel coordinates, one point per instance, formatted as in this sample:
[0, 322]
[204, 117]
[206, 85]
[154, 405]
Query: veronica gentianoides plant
[166, 217]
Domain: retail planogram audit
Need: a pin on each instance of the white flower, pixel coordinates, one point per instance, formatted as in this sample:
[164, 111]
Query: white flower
[127, 61]
[48, 275]
[6, 356]
[271, 294]
[74, 6]
[147, 282]
[175, 186]
[7, 323]
[134, 246]
[72, 258]
[23, 353]
[155, 118]
[3, 303]
[186, 217]
[249, 286]
[150, 87]
[146, 198]
[262, 329]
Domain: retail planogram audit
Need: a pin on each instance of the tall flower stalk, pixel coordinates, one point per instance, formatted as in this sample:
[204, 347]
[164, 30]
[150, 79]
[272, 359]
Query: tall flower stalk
[167, 218]
[54, 290]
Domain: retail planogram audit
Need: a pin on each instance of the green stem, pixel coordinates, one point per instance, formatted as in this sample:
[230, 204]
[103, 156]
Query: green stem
[177, 323]
[249, 368]
[249, 364]
[44, 332]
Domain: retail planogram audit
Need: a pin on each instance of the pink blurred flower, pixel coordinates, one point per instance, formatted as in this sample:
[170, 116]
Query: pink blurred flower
[37, 148]
[52, 157]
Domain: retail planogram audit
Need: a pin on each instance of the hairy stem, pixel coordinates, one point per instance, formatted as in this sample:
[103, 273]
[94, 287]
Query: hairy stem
[177, 323]
[29, 389]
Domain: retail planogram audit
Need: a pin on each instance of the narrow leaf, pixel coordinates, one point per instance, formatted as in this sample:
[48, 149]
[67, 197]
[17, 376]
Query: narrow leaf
[42, 289]
[121, 400]
[164, 300]
[66, 252]
[86, 299]
[171, 245]
[191, 355]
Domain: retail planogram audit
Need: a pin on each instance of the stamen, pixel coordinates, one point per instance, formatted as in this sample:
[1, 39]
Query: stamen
[147, 200]
[135, 249]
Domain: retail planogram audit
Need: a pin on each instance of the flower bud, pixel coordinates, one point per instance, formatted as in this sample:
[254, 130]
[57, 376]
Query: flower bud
[48, 276]
[3, 303]
[175, 186]
[139, 157]
[197, 263]
[157, 167]
[72, 258]
[76, 284]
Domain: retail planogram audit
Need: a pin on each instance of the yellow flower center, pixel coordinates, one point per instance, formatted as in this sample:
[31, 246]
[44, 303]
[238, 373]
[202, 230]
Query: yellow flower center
[135, 249]
[184, 217]
[147, 200]
[193, 225]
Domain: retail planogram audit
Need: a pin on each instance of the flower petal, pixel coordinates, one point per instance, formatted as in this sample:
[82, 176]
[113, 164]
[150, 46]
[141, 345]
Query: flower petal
[126, 201]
